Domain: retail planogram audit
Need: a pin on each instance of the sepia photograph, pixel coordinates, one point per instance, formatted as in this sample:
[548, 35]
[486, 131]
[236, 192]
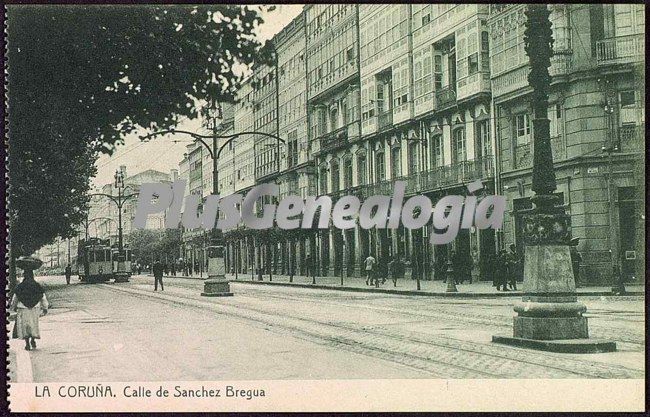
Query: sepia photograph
[325, 207]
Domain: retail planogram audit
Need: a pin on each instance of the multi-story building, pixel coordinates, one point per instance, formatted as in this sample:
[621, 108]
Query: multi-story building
[436, 95]
[296, 174]
[596, 109]
[333, 103]
[425, 117]
[192, 169]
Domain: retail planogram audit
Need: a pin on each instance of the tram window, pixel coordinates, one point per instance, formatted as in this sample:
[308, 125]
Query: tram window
[99, 256]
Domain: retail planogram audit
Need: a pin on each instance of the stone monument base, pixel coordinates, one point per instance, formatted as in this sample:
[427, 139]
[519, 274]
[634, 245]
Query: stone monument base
[551, 328]
[560, 346]
[216, 287]
[549, 315]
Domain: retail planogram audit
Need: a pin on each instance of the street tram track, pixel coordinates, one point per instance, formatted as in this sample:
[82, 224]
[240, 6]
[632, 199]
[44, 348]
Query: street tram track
[487, 360]
[444, 312]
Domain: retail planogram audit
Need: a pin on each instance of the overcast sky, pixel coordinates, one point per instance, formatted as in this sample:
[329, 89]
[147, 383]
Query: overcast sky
[165, 152]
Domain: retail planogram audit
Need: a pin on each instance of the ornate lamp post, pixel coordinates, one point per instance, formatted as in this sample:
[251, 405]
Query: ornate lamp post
[216, 284]
[549, 315]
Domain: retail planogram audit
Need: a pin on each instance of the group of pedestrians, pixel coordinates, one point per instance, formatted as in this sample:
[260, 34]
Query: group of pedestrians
[396, 270]
[508, 269]
[376, 275]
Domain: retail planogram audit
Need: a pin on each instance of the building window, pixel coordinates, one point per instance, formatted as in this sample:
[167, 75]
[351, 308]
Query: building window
[334, 116]
[437, 71]
[437, 151]
[507, 46]
[473, 63]
[413, 158]
[361, 170]
[323, 180]
[484, 148]
[422, 70]
[380, 167]
[522, 128]
[458, 145]
[292, 141]
[485, 51]
[335, 176]
[629, 19]
[555, 118]
[627, 99]
[347, 173]
[396, 163]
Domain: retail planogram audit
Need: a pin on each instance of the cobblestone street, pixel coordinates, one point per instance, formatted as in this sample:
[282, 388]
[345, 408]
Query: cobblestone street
[121, 332]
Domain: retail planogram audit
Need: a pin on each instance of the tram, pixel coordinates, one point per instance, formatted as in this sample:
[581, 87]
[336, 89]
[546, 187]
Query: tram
[94, 260]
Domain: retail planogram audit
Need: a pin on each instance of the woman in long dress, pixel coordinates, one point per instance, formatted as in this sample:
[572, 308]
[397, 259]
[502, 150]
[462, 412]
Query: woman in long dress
[28, 302]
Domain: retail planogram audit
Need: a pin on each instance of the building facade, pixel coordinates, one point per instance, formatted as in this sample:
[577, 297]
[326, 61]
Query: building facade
[596, 109]
[436, 95]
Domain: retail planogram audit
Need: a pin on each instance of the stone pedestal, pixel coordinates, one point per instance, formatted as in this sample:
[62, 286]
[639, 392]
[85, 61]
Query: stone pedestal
[549, 316]
[121, 275]
[216, 285]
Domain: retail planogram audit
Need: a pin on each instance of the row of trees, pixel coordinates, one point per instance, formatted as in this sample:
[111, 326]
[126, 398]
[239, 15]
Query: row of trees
[151, 244]
[82, 77]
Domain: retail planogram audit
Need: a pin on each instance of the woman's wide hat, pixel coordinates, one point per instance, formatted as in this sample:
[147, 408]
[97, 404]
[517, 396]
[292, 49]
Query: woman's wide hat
[28, 262]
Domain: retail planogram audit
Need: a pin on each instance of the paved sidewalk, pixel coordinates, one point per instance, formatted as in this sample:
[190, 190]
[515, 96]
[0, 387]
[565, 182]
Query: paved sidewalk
[406, 286]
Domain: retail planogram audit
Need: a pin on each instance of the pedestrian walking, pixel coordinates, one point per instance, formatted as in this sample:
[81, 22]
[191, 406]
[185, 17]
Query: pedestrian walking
[370, 267]
[173, 268]
[514, 261]
[139, 269]
[396, 268]
[29, 302]
[165, 268]
[68, 274]
[501, 270]
[158, 270]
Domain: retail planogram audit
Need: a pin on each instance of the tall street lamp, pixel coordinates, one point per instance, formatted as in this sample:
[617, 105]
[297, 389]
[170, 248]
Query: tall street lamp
[121, 275]
[549, 314]
[216, 284]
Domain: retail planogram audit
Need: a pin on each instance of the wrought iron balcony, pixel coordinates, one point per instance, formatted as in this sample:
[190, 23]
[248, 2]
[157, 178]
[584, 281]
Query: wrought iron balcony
[621, 50]
[445, 97]
[334, 139]
[458, 173]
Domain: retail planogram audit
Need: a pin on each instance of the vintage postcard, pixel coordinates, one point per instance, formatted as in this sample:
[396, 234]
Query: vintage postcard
[325, 207]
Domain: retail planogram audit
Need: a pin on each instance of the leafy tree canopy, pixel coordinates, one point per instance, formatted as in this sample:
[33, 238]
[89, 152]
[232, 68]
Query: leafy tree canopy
[81, 77]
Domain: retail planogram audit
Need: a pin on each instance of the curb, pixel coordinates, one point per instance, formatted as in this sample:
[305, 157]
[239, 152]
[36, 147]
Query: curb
[384, 291]
[23, 365]
[411, 292]
[427, 293]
